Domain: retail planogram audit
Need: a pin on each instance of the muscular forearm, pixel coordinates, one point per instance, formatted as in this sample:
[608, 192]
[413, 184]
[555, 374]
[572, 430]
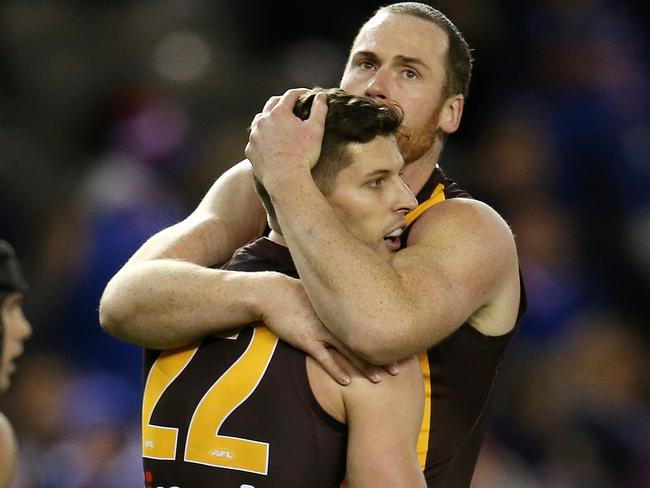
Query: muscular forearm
[359, 296]
[164, 303]
[334, 267]
[166, 296]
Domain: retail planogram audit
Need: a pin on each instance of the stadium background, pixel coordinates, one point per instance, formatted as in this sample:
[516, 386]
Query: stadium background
[115, 118]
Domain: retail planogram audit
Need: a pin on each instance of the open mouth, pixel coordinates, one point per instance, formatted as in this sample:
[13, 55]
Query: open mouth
[392, 240]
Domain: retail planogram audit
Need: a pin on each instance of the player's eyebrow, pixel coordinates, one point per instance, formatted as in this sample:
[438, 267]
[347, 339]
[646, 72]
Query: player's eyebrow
[377, 173]
[412, 61]
[399, 59]
[369, 55]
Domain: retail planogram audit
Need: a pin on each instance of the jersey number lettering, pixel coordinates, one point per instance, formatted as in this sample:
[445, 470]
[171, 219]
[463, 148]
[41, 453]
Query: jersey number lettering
[204, 444]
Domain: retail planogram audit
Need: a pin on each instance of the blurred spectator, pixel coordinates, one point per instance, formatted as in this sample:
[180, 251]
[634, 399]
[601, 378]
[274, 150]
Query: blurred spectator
[577, 415]
[90, 435]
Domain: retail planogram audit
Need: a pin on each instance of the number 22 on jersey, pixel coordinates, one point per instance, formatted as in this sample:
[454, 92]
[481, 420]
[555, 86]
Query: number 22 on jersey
[204, 444]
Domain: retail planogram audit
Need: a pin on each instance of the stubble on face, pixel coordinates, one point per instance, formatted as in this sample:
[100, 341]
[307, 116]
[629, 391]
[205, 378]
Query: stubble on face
[414, 143]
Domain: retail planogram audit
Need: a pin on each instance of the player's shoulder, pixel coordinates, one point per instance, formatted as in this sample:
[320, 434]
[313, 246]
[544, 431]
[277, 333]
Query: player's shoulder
[232, 198]
[361, 396]
[241, 172]
[461, 219]
[242, 167]
[463, 211]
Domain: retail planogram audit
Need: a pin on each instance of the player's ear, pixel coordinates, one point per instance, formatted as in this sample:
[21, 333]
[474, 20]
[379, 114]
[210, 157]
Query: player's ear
[451, 113]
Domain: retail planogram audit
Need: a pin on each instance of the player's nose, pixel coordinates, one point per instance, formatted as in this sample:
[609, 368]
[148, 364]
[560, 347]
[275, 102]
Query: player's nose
[378, 87]
[405, 201]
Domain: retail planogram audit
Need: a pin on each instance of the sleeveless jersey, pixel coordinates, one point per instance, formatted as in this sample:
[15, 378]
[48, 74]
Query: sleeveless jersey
[459, 375]
[238, 412]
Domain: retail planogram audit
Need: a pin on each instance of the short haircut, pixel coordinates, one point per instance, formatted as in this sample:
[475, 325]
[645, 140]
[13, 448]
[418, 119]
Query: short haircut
[349, 119]
[459, 56]
[11, 274]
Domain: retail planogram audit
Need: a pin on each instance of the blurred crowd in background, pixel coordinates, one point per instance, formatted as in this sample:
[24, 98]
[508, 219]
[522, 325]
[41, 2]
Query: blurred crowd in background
[116, 117]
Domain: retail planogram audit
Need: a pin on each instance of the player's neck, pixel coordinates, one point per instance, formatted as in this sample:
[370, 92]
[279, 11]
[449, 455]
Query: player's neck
[417, 173]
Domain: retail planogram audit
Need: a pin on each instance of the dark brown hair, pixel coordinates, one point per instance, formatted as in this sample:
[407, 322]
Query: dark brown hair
[349, 119]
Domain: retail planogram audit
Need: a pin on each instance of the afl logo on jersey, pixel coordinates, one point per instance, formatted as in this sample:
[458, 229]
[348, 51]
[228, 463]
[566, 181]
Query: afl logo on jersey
[220, 453]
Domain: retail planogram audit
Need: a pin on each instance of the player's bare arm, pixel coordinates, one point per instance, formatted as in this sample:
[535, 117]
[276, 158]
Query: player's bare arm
[165, 296]
[383, 422]
[460, 263]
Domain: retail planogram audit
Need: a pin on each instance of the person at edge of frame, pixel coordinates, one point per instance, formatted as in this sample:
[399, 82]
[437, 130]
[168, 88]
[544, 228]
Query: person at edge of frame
[15, 329]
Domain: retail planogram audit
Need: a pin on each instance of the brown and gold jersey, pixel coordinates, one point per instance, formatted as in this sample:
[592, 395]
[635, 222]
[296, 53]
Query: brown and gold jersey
[238, 412]
[459, 375]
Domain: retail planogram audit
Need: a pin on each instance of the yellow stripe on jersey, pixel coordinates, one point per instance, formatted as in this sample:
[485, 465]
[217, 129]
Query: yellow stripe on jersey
[437, 196]
[423, 437]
